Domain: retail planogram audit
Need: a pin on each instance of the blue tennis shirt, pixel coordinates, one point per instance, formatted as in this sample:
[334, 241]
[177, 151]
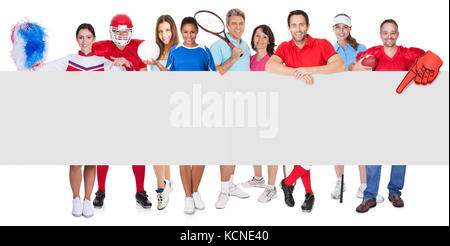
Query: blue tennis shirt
[221, 52]
[349, 54]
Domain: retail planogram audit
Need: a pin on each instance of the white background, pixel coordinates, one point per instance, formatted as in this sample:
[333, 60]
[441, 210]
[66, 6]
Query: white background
[40, 195]
[421, 24]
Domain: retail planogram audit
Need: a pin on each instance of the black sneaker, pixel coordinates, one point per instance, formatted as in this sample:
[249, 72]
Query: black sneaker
[141, 198]
[288, 190]
[99, 197]
[308, 204]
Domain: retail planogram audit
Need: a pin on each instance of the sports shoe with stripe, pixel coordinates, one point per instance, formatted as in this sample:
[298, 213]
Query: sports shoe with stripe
[268, 195]
[255, 182]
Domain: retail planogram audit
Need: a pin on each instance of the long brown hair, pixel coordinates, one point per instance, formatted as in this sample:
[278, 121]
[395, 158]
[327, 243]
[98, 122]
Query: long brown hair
[173, 28]
[351, 40]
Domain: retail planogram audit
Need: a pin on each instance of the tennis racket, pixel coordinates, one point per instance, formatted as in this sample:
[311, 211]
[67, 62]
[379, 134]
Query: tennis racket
[213, 24]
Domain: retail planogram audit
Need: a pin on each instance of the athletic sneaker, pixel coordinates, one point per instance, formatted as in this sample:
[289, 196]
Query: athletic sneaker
[254, 182]
[268, 195]
[308, 204]
[99, 198]
[77, 207]
[168, 185]
[141, 198]
[163, 198]
[88, 210]
[222, 200]
[198, 201]
[360, 194]
[336, 193]
[288, 190]
[189, 207]
[236, 191]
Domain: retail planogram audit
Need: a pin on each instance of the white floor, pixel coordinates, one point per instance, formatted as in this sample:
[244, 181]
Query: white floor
[41, 195]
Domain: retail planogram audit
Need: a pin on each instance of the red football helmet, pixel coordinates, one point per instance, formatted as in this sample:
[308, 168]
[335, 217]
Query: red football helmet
[119, 25]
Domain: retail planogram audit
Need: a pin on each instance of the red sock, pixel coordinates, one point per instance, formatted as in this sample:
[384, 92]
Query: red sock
[139, 175]
[298, 172]
[306, 179]
[102, 171]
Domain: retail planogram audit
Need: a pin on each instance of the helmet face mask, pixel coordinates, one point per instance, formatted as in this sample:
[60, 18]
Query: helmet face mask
[121, 29]
[121, 37]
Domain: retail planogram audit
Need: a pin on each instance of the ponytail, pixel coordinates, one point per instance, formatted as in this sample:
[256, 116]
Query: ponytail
[352, 41]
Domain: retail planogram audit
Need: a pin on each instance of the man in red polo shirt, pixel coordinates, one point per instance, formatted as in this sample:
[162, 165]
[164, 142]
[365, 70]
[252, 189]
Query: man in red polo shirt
[122, 50]
[302, 57]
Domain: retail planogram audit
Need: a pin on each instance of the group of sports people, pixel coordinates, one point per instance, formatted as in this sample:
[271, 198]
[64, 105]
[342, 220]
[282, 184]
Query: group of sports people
[301, 57]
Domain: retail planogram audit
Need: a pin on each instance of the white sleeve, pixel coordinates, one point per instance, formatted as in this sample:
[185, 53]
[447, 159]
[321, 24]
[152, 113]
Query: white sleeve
[57, 65]
[108, 66]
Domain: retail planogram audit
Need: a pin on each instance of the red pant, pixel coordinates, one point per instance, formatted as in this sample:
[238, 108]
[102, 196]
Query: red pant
[139, 175]
[297, 173]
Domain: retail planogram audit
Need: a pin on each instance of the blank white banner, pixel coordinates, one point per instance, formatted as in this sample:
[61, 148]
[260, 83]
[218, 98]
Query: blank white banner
[205, 118]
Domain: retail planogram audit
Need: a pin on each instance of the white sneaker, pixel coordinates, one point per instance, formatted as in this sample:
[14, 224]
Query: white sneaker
[360, 191]
[198, 203]
[77, 207]
[168, 185]
[336, 193]
[163, 197]
[88, 210]
[360, 194]
[268, 195]
[261, 183]
[235, 191]
[222, 200]
[189, 207]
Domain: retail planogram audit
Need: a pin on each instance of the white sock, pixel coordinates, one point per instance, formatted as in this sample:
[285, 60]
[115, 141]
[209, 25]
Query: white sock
[258, 178]
[364, 186]
[271, 186]
[339, 179]
[225, 187]
[232, 178]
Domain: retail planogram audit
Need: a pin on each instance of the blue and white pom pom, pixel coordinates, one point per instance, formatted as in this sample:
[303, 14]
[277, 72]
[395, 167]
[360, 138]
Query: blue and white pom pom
[29, 45]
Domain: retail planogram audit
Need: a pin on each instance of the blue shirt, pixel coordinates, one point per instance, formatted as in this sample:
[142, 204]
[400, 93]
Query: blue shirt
[349, 54]
[182, 58]
[221, 52]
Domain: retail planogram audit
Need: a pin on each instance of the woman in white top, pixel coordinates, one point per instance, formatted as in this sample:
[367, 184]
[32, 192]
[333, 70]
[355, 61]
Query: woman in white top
[166, 36]
[85, 60]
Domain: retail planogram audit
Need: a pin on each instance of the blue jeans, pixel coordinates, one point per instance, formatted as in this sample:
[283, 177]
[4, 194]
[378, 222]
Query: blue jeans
[373, 180]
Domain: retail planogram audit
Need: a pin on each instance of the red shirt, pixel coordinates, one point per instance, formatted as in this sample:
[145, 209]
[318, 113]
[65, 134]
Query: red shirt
[403, 59]
[108, 49]
[316, 52]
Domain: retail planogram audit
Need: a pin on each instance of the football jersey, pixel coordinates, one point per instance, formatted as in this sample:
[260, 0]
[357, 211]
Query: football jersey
[182, 58]
[403, 59]
[79, 62]
[108, 49]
